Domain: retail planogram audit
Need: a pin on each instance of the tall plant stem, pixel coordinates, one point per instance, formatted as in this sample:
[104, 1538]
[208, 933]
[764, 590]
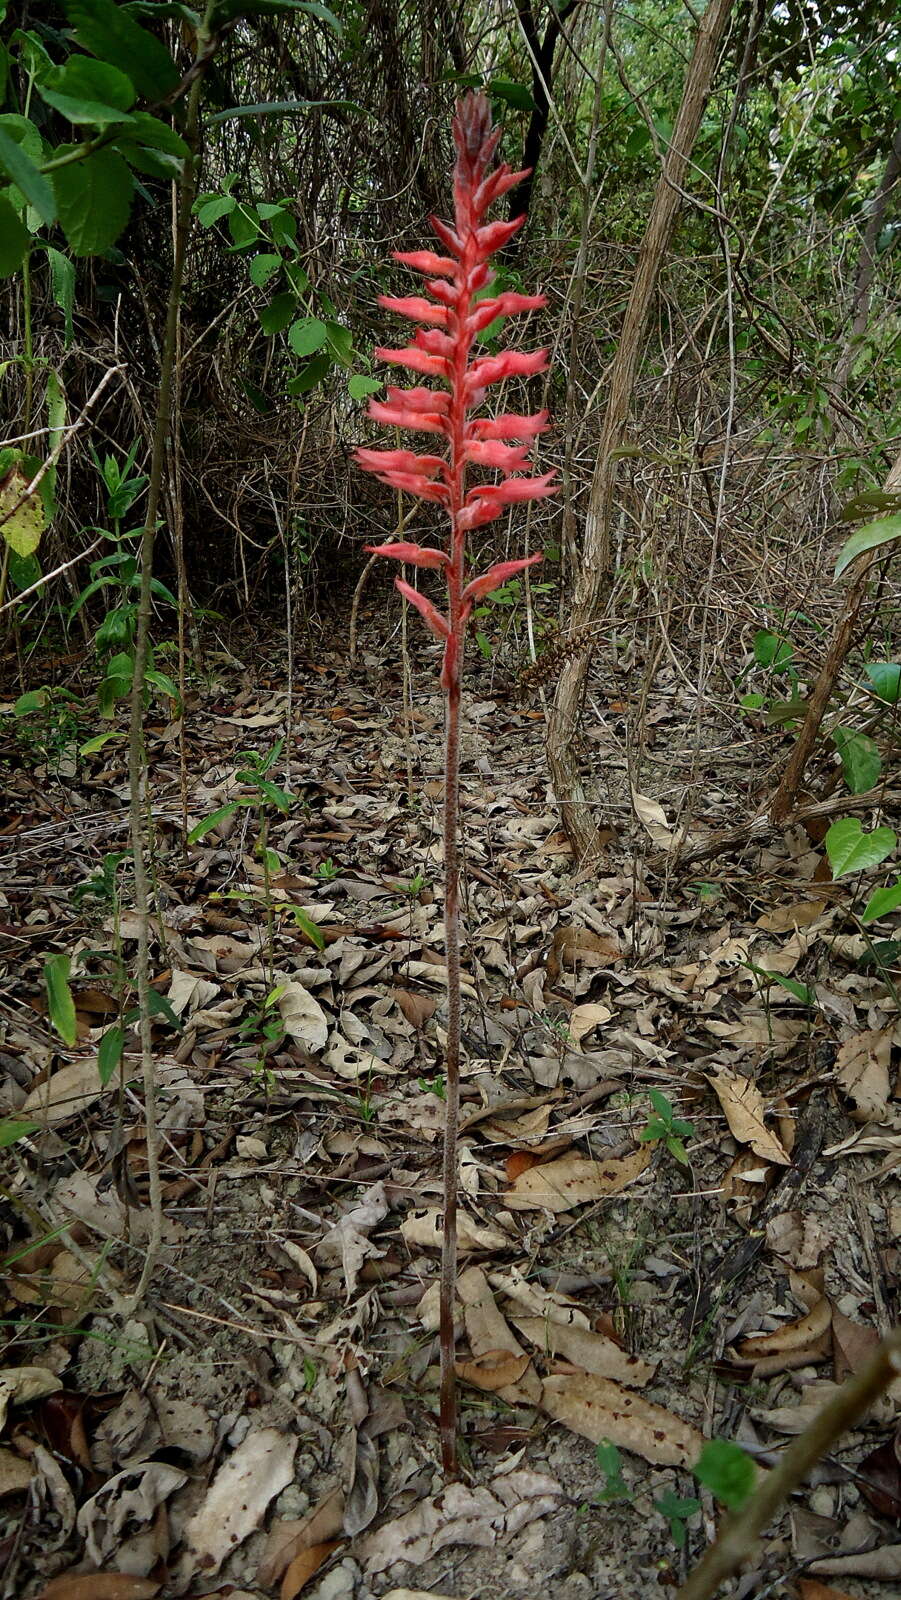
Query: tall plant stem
[137, 772]
[448, 1399]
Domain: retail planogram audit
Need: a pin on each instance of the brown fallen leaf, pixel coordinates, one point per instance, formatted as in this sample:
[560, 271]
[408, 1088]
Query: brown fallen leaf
[592, 1352]
[598, 1409]
[573, 1180]
[797, 1240]
[488, 1331]
[287, 1539]
[417, 1008]
[879, 1478]
[425, 1228]
[853, 1344]
[460, 1515]
[65, 1094]
[743, 1105]
[862, 1071]
[100, 1586]
[883, 1563]
[236, 1500]
[304, 1567]
[20, 1385]
[494, 1370]
[15, 1473]
[799, 915]
[744, 1184]
[795, 1344]
[574, 947]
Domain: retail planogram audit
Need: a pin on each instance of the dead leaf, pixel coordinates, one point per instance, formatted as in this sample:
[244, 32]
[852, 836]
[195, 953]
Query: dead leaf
[236, 1500]
[591, 1351]
[303, 1017]
[459, 1515]
[810, 1589]
[598, 1409]
[20, 1385]
[417, 1008]
[862, 1070]
[798, 1240]
[15, 1473]
[879, 1478]
[348, 1240]
[573, 947]
[286, 1540]
[653, 817]
[742, 1102]
[573, 1180]
[304, 1567]
[65, 1094]
[425, 1228]
[487, 1331]
[128, 1498]
[883, 1563]
[494, 1370]
[853, 1343]
[100, 1586]
[583, 1020]
[415, 1594]
[796, 1344]
[744, 1184]
[799, 915]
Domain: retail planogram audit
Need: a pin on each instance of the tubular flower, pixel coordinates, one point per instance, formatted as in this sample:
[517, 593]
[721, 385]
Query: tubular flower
[451, 313]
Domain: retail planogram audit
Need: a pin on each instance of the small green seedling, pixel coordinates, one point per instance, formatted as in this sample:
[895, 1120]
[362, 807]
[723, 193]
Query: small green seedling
[611, 1464]
[677, 1513]
[327, 870]
[415, 886]
[666, 1126]
[433, 1086]
[261, 793]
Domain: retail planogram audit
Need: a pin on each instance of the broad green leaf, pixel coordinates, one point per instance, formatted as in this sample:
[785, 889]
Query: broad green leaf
[25, 175]
[308, 926]
[11, 1129]
[312, 373]
[14, 238]
[262, 269]
[727, 1471]
[863, 505]
[227, 9]
[243, 226]
[512, 94]
[277, 315]
[882, 902]
[94, 199]
[211, 211]
[282, 108]
[159, 1006]
[340, 342]
[162, 681]
[885, 676]
[92, 746]
[23, 132]
[861, 762]
[212, 821]
[307, 336]
[144, 129]
[801, 991]
[359, 386]
[109, 32]
[62, 278]
[59, 998]
[851, 850]
[868, 538]
[89, 91]
[22, 530]
[279, 797]
[56, 419]
[109, 1053]
[30, 702]
[772, 651]
[638, 139]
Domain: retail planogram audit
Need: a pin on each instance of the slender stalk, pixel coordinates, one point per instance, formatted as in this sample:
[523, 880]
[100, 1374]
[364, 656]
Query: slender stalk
[448, 1397]
[137, 769]
[741, 1530]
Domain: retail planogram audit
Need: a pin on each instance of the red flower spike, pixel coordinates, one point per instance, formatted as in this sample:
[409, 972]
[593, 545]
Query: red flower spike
[444, 348]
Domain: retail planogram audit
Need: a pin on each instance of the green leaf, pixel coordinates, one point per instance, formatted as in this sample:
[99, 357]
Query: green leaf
[144, 129]
[93, 197]
[30, 702]
[89, 91]
[307, 336]
[11, 1129]
[162, 681]
[262, 269]
[661, 1105]
[109, 32]
[62, 278]
[227, 9]
[210, 212]
[283, 108]
[869, 537]
[277, 315]
[14, 238]
[25, 175]
[92, 746]
[308, 926]
[801, 991]
[637, 140]
[22, 530]
[851, 850]
[340, 342]
[885, 676]
[109, 1053]
[882, 902]
[861, 762]
[59, 998]
[159, 1006]
[243, 226]
[359, 386]
[312, 373]
[201, 829]
[727, 1471]
[771, 651]
[512, 94]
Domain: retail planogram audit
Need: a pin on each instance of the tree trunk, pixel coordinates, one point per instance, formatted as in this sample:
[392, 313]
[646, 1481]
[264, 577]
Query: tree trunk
[866, 266]
[564, 716]
[786, 794]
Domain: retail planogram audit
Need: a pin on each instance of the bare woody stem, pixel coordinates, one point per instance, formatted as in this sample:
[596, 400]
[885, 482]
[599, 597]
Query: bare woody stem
[741, 1531]
[448, 1399]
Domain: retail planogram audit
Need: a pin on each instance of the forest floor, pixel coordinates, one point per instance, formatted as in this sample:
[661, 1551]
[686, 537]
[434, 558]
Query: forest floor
[265, 1423]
